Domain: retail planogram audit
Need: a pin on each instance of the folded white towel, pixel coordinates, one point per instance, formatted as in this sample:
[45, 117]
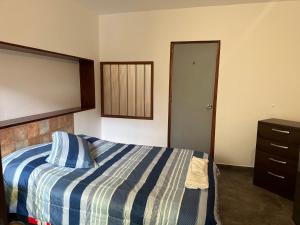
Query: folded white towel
[197, 177]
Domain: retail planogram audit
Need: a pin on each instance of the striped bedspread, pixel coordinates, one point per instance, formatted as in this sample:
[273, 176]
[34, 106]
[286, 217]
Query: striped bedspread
[133, 184]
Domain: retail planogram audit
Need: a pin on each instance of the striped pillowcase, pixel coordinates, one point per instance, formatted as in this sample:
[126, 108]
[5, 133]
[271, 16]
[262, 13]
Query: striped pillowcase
[69, 150]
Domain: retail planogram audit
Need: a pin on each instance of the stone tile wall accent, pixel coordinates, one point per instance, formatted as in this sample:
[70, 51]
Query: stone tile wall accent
[14, 138]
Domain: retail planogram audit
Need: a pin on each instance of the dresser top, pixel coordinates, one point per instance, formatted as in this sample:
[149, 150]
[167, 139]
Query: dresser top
[286, 123]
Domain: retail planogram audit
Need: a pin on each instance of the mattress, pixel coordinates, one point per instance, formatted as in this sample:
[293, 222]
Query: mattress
[132, 184]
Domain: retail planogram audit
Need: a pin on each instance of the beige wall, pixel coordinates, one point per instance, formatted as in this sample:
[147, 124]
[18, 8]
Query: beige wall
[56, 25]
[259, 70]
[32, 84]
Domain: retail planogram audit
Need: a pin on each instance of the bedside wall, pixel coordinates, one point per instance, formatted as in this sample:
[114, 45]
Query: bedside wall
[259, 68]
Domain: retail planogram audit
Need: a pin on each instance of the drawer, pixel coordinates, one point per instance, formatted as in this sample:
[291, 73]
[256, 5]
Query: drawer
[284, 150]
[280, 183]
[275, 163]
[278, 133]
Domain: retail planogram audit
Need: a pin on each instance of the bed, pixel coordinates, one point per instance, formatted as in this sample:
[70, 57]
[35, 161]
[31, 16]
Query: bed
[132, 184]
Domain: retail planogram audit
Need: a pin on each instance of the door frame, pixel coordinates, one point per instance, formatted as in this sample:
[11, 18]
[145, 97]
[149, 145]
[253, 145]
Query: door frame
[215, 94]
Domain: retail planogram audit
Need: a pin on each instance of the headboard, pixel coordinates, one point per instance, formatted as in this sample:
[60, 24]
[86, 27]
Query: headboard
[17, 137]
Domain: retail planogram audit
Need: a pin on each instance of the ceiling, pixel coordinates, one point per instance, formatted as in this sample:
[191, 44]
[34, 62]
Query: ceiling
[123, 6]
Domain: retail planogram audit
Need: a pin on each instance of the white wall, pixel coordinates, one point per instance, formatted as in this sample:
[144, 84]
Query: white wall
[60, 26]
[259, 68]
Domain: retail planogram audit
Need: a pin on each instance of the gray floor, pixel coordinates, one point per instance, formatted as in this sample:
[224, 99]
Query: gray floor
[242, 203]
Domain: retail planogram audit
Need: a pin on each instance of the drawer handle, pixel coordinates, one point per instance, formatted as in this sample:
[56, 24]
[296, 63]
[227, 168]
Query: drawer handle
[281, 131]
[275, 175]
[279, 146]
[277, 161]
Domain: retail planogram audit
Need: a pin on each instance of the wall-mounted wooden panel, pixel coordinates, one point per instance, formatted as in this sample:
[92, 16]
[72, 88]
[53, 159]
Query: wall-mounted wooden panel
[115, 90]
[140, 90]
[148, 94]
[131, 90]
[127, 90]
[29, 84]
[86, 76]
[106, 89]
[123, 89]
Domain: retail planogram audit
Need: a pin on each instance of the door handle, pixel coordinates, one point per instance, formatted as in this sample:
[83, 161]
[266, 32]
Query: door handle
[209, 107]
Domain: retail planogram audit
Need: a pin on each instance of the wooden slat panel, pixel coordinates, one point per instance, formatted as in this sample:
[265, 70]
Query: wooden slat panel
[106, 90]
[148, 82]
[123, 89]
[140, 90]
[115, 90]
[131, 90]
[130, 86]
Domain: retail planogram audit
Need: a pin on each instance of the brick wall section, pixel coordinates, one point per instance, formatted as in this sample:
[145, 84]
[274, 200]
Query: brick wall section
[14, 138]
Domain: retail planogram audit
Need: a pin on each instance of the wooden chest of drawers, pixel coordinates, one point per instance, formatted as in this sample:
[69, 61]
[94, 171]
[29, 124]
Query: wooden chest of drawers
[277, 154]
[296, 214]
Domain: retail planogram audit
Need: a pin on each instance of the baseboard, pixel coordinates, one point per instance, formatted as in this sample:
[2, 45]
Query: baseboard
[233, 167]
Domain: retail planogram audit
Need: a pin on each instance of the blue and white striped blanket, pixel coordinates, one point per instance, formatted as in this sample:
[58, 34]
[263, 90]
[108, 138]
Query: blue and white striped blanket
[132, 185]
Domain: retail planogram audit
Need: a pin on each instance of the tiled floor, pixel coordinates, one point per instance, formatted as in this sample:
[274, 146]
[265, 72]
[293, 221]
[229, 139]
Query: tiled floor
[242, 203]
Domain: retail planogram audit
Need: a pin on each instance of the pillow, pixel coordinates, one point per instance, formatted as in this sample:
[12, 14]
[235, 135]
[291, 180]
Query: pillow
[69, 150]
